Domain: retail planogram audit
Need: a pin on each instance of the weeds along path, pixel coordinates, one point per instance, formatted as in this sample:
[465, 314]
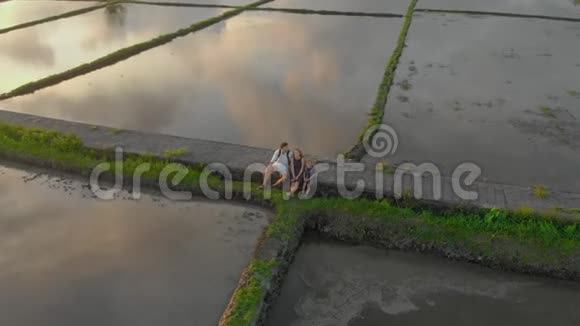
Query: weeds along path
[378, 110]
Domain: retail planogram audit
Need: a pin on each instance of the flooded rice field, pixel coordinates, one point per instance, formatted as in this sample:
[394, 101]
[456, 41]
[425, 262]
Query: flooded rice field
[42, 50]
[255, 79]
[69, 259]
[501, 92]
[18, 12]
[335, 284]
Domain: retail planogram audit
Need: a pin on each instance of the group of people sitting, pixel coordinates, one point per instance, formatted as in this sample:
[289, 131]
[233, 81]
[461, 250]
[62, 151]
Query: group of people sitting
[292, 167]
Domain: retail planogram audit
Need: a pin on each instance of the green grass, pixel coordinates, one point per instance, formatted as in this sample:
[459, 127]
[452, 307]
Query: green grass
[474, 230]
[378, 110]
[525, 212]
[67, 151]
[122, 54]
[540, 191]
[175, 153]
[573, 92]
[115, 131]
[56, 17]
[249, 297]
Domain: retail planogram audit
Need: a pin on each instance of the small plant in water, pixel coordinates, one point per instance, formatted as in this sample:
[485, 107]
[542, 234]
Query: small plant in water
[541, 192]
[177, 152]
[547, 112]
[405, 85]
[573, 92]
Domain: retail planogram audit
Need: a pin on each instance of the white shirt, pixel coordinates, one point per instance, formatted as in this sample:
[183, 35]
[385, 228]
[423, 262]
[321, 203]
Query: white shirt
[281, 158]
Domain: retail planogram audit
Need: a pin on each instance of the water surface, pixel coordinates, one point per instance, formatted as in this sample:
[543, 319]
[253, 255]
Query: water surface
[503, 93]
[255, 79]
[69, 259]
[335, 284]
[42, 50]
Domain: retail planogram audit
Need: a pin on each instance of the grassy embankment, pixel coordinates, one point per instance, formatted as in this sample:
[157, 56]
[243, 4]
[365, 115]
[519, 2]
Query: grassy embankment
[123, 54]
[67, 152]
[494, 235]
[378, 110]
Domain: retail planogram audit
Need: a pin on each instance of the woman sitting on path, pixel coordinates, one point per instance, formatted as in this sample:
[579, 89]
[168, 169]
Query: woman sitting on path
[279, 163]
[297, 171]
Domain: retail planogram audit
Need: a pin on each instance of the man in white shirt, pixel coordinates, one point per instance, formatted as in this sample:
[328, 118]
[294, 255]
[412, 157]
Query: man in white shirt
[280, 163]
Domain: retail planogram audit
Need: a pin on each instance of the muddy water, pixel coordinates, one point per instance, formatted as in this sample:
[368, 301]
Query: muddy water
[503, 93]
[335, 284]
[558, 8]
[373, 6]
[42, 50]
[18, 12]
[69, 259]
[255, 79]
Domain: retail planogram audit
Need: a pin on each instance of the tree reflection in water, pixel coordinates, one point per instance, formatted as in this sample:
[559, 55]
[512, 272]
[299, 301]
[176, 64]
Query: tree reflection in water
[116, 15]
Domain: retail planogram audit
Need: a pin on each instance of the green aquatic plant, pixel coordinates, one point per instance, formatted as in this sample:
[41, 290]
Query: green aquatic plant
[540, 191]
[573, 92]
[547, 112]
